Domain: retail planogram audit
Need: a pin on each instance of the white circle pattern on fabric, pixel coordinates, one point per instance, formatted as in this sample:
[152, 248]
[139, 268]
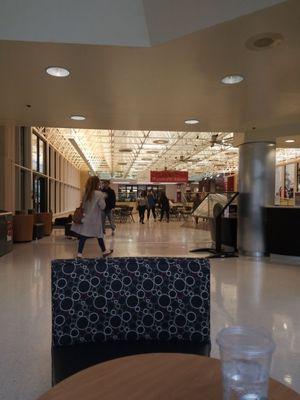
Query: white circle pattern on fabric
[130, 299]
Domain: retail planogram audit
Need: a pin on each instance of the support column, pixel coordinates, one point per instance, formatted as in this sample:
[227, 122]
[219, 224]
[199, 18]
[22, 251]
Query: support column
[257, 190]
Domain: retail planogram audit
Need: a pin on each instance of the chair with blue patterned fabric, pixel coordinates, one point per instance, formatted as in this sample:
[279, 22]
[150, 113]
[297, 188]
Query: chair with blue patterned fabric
[108, 308]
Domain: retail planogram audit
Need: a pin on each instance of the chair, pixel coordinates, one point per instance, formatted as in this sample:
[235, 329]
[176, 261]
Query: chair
[174, 213]
[108, 308]
[186, 212]
[46, 219]
[23, 228]
[117, 214]
[126, 213]
[38, 230]
[130, 214]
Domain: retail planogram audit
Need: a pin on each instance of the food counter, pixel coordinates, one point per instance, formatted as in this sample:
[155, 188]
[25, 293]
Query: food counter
[6, 232]
[282, 230]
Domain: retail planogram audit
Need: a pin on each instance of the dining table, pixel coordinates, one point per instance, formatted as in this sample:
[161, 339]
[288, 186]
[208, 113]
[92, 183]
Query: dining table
[167, 376]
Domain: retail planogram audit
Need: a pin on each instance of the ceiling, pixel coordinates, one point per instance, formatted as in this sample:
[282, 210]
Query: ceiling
[133, 154]
[117, 22]
[157, 88]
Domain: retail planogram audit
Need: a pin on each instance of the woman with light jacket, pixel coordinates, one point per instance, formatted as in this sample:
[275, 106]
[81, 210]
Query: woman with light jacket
[93, 203]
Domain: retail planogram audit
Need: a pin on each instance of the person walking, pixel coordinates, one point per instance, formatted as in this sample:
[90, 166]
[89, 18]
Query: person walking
[151, 200]
[110, 204]
[142, 205]
[93, 203]
[164, 206]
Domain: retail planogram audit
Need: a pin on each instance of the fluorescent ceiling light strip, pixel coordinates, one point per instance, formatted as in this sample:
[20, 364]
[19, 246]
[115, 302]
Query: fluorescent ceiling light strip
[79, 151]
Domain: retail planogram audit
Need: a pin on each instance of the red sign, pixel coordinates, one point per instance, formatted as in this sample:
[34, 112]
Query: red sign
[169, 176]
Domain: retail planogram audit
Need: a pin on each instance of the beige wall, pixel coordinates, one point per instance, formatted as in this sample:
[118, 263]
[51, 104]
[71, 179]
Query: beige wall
[7, 167]
[84, 175]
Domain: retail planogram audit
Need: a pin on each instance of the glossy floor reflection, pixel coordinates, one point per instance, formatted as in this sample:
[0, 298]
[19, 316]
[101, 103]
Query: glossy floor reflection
[243, 290]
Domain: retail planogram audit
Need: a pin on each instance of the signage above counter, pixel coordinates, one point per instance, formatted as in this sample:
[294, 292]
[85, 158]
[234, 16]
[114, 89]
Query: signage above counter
[169, 176]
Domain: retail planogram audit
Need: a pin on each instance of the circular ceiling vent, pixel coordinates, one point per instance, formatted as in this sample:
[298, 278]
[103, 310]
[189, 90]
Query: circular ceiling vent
[264, 41]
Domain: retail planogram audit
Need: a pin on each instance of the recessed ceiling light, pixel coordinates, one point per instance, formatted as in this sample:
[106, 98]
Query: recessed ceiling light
[287, 379]
[58, 72]
[77, 117]
[290, 141]
[191, 121]
[161, 141]
[125, 150]
[232, 79]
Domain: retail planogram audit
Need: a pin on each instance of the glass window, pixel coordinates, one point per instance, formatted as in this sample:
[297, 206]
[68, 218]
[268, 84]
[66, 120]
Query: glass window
[49, 161]
[34, 151]
[22, 189]
[42, 165]
[55, 167]
[289, 181]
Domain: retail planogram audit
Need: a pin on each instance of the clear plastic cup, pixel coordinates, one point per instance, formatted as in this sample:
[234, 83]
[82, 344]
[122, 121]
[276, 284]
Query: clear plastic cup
[246, 354]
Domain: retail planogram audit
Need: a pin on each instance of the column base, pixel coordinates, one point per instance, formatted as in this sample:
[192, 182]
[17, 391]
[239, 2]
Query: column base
[257, 254]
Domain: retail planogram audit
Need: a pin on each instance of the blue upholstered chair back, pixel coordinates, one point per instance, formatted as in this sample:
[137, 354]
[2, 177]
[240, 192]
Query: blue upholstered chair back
[123, 299]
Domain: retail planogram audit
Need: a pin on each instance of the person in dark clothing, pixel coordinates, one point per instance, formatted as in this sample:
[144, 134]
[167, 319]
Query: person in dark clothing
[110, 202]
[142, 205]
[151, 205]
[164, 206]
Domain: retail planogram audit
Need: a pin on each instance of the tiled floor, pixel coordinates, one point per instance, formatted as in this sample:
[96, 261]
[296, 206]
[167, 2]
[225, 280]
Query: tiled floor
[243, 290]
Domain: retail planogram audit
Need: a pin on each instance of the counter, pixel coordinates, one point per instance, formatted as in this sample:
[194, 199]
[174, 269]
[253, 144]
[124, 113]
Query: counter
[282, 230]
[6, 232]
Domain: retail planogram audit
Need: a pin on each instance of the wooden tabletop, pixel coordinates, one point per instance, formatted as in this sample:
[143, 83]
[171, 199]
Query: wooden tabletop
[152, 377]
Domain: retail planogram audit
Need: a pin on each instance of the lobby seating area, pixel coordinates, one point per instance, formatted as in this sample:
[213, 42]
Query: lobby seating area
[31, 226]
[232, 284]
[150, 200]
[124, 214]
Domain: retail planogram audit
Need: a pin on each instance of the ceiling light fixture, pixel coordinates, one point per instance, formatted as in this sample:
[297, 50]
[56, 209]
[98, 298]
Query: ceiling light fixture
[191, 121]
[161, 141]
[79, 151]
[58, 72]
[232, 79]
[290, 141]
[77, 117]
